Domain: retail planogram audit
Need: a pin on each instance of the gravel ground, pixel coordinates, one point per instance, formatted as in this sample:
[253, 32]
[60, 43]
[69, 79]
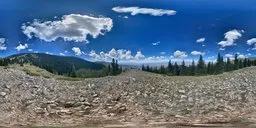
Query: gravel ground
[134, 96]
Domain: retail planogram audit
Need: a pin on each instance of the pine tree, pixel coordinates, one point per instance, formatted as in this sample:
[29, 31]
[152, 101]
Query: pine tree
[229, 65]
[245, 62]
[193, 68]
[148, 69]
[236, 62]
[162, 69]
[200, 70]
[209, 68]
[113, 64]
[143, 68]
[170, 67]
[117, 66]
[183, 68]
[241, 65]
[219, 64]
[176, 69]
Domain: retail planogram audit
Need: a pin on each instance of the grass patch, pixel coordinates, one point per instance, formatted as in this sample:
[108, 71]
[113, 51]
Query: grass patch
[36, 71]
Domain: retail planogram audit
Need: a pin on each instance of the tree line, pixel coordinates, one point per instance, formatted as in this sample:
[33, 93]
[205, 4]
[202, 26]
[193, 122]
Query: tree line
[66, 69]
[201, 67]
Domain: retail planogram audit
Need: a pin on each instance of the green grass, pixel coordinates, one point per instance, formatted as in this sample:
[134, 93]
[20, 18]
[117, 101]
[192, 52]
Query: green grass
[36, 71]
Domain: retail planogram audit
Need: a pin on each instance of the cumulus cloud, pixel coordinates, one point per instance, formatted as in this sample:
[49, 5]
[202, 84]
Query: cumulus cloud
[77, 51]
[251, 41]
[62, 54]
[231, 37]
[21, 47]
[241, 56]
[196, 53]
[2, 44]
[229, 55]
[149, 11]
[94, 55]
[222, 49]
[73, 27]
[200, 40]
[120, 54]
[139, 55]
[156, 43]
[180, 54]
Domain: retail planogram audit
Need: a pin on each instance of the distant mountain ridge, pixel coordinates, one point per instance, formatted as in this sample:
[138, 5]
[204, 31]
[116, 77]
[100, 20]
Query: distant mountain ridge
[60, 65]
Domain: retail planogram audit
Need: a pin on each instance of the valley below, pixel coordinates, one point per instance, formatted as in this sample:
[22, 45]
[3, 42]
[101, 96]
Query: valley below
[131, 99]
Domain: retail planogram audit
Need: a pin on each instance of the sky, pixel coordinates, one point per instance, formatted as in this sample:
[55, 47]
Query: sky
[132, 31]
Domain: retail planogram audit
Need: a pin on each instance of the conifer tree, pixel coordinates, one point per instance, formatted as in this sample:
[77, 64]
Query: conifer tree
[148, 69]
[170, 67]
[236, 62]
[113, 64]
[193, 68]
[241, 65]
[183, 68]
[245, 62]
[209, 68]
[219, 64]
[228, 66]
[200, 70]
[176, 69]
[143, 68]
[162, 69]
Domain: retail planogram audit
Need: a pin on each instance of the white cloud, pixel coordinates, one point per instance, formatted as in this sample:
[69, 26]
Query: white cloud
[148, 11]
[77, 51]
[229, 55]
[251, 41]
[49, 53]
[124, 54]
[120, 54]
[30, 50]
[21, 47]
[241, 56]
[222, 49]
[2, 44]
[231, 37]
[156, 43]
[62, 54]
[211, 57]
[139, 55]
[196, 53]
[94, 55]
[73, 27]
[112, 53]
[200, 40]
[126, 17]
[180, 54]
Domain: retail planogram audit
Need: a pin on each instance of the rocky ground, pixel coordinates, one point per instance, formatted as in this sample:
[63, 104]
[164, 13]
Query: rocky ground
[133, 96]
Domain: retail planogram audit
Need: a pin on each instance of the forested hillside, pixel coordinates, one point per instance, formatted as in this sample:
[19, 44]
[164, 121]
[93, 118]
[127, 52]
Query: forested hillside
[60, 65]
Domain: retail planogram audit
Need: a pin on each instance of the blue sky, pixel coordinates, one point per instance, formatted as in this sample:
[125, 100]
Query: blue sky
[131, 30]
